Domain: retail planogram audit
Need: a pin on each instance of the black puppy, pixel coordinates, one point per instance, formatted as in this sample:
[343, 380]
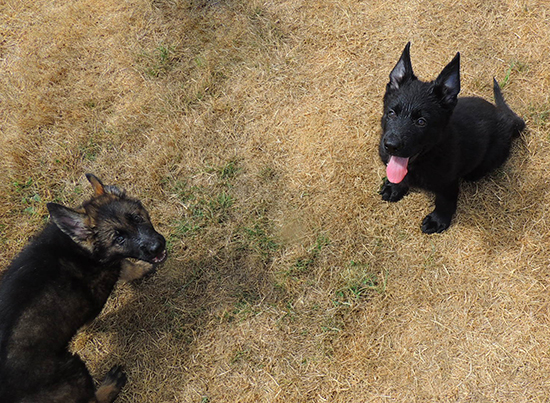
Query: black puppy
[61, 281]
[431, 139]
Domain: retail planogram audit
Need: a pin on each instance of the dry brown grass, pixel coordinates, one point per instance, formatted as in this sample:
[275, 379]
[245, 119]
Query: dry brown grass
[249, 129]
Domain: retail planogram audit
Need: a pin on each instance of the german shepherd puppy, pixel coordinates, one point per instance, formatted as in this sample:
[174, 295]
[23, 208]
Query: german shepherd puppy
[59, 282]
[431, 139]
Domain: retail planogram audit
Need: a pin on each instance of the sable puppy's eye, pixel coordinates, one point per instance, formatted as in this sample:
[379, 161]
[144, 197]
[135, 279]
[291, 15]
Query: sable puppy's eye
[119, 238]
[136, 218]
[391, 114]
[421, 122]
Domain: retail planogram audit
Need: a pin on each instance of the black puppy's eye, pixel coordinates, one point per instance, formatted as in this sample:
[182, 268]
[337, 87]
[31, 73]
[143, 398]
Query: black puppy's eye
[119, 238]
[391, 114]
[421, 122]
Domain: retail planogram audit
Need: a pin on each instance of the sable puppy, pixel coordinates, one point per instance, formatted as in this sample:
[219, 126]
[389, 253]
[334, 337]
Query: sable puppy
[431, 138]
[59, 282]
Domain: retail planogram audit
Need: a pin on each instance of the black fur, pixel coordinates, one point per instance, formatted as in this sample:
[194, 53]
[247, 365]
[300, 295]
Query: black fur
[445, 138]
[59, 282]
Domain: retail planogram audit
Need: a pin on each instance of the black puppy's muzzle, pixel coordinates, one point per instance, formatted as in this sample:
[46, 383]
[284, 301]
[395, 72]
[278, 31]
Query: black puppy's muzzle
[392, 143]
[392, 146]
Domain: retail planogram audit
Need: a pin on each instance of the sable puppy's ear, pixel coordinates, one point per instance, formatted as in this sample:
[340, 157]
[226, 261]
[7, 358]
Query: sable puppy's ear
[70, 222]
[115, 191]
[99, 189]
[447, 84]
[402, 72]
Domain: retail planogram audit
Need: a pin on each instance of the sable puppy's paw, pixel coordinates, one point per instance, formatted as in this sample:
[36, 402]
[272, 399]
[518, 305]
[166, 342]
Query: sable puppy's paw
[111, 386]
[135, 270]
[435, 223]
[116, 377]
[392, 192]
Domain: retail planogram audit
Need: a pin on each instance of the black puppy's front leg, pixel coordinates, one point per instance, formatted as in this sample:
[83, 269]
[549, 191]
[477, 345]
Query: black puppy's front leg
[445, 207]
[393, 192]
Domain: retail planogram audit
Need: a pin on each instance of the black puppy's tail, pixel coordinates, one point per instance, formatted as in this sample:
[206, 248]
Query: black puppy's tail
[517, 123]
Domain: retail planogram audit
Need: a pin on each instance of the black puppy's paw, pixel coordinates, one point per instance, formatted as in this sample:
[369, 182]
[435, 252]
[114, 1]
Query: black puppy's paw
[392, 192]
[436, 222]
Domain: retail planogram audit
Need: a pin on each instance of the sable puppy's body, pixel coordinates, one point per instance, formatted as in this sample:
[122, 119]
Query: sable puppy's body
[59, 282]
[431, 139]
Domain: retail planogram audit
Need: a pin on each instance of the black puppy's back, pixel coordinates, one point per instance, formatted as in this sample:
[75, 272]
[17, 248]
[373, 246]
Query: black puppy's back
[488, 131]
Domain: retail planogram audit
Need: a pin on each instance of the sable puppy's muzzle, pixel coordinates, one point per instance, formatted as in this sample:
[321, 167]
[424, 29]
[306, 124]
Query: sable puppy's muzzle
[153, 248]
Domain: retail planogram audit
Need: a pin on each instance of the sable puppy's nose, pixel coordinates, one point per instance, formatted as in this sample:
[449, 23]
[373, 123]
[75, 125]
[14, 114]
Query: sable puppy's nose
[154, 247]
[391, 146]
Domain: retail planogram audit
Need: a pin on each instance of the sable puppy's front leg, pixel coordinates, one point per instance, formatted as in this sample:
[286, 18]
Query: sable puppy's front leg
[134, 270]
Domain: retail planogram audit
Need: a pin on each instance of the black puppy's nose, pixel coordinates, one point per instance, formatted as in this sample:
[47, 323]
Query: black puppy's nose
[391, 145]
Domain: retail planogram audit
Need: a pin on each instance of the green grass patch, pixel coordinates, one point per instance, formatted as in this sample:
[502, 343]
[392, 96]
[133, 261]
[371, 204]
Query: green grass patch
[90, 150]
[239, 356]
[243, 308]
[206, 206]
[29, 198]
[358, 282]
[539, 114]
[158, 61]
[303, 264]
[226, 172]
[202, 210]
[515, 67]
[256, 237]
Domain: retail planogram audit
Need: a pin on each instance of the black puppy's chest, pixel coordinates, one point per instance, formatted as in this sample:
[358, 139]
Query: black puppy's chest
[426, 175]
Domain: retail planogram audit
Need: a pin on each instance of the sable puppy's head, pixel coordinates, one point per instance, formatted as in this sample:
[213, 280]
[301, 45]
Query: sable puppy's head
[111, 226]
[415, 112]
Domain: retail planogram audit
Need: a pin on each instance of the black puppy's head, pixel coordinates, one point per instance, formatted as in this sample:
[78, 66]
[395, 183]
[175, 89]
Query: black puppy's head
[416, 112]
[111, 226]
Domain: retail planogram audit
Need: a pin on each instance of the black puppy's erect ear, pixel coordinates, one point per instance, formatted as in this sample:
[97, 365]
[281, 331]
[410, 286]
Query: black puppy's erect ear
[70, 222]
[447, 84]
[402, 71]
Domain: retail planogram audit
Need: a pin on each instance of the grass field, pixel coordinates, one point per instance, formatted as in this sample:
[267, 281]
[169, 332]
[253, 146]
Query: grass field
[249, 129]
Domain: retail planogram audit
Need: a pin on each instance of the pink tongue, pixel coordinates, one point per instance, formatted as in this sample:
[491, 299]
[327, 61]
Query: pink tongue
[396, 169]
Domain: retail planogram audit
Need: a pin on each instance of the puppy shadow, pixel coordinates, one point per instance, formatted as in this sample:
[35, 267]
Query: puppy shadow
[150, 325]
[503, 205]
